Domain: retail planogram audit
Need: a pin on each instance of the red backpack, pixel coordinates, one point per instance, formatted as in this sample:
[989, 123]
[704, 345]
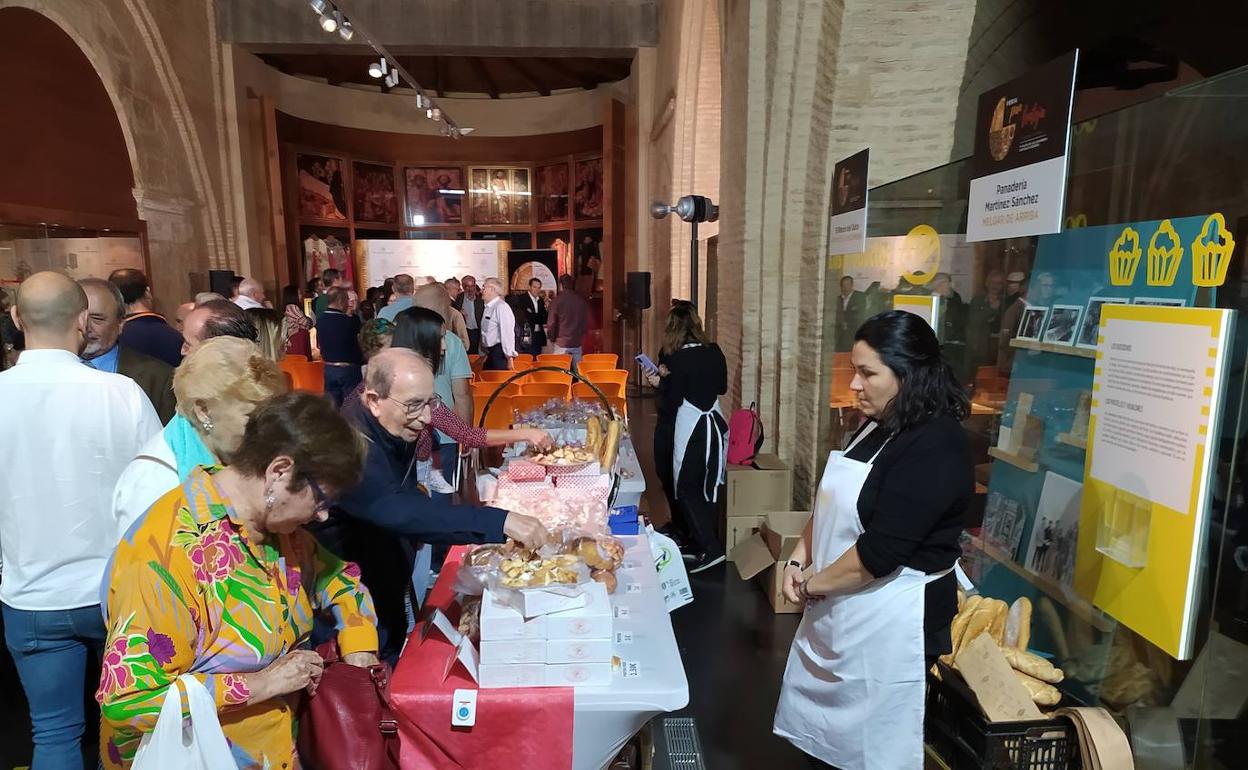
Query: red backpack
[745, 436]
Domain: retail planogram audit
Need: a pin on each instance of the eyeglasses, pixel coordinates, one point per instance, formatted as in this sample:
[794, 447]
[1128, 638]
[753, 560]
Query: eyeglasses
[411, 409]
[323, 501]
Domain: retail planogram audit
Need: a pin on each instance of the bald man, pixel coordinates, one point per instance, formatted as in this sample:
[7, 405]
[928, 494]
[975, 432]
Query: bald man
[395, 407]
[80, 427]
[250, 294]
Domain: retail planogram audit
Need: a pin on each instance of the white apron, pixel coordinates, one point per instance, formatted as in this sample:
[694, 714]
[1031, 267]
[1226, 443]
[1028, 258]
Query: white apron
[854, 686]
[688, 419]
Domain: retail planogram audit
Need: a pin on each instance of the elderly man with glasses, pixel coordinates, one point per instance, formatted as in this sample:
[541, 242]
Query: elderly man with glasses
[394, 409]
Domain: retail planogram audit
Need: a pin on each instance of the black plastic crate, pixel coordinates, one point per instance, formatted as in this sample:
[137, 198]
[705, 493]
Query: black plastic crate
[961, 734]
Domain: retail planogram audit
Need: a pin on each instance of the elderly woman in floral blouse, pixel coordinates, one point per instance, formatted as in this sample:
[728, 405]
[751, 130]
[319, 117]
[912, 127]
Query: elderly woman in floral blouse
[220, 580]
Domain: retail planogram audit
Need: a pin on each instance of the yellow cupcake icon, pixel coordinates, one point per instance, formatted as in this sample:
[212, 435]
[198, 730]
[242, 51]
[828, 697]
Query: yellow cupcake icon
[1124, 258]
[1211, 252]
[1165, 254]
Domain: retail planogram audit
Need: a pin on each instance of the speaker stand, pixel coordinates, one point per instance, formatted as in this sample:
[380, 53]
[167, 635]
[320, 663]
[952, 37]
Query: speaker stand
[640, 390]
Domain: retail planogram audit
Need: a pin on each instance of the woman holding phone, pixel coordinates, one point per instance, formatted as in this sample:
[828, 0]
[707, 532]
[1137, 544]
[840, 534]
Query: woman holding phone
[875, 564]
[691, 434]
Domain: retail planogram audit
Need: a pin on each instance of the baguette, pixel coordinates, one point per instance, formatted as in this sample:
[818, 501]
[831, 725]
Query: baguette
[1018, 625]
[1033, 665]
[999, 610]
[1042, 693]
[979, 623]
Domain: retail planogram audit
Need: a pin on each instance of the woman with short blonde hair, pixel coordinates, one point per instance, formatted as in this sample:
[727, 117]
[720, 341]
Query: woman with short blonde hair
[217, 388]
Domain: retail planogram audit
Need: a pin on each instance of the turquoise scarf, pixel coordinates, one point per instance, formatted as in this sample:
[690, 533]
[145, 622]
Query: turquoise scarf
[188, 448]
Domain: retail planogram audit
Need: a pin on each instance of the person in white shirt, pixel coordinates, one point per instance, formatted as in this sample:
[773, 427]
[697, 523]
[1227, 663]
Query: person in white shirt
[498, 327]
[250, 294]
[80, 427]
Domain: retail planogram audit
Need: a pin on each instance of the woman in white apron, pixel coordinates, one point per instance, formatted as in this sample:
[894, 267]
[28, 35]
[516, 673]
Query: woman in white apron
[691, 434]
[875, 564]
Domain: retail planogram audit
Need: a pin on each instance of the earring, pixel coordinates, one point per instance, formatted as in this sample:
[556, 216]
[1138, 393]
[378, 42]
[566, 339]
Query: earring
[207, 423]
[269, 500]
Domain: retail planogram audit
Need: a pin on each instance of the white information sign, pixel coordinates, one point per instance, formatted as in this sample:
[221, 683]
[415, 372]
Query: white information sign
[381, 259]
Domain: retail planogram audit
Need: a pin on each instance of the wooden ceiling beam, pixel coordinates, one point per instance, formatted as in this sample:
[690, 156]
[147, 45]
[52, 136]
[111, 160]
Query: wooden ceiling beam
[439, 83]
[483, 72]
[530, 76]
[554, 65]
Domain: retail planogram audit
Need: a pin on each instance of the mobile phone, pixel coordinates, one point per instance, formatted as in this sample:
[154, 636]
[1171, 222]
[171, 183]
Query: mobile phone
[646, 363]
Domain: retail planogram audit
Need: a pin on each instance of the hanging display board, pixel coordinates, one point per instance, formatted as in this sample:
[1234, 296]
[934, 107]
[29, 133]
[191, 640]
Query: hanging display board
[847, 229]
[924, 306]
[76, 257]
[381, 259]
[1022, 141]
[1156, 403]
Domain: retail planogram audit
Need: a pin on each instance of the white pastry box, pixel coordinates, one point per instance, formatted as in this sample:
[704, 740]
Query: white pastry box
[593, 621]
[502, 622]
[499, 675]
[502, 651]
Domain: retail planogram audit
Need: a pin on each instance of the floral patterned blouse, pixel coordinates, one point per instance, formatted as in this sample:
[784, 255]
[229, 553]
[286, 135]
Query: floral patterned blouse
[189, 592]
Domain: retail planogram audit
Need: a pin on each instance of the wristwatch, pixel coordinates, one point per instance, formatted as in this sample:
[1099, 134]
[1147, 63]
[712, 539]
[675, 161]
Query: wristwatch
[795, 563]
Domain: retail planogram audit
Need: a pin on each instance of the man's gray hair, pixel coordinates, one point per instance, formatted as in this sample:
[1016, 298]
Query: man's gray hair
[108, 286]
[383, 367]
[404, 284]
[204, 297]
[497, 284]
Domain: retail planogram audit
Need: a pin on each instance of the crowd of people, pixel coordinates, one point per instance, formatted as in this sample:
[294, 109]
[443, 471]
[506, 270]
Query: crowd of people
[172, 508]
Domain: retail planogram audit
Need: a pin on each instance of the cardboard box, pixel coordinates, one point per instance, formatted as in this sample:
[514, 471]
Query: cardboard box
[763, 555]
[504, 622]
[591, 618]
[546, 652]
[751, 491]
[493, 676]
[737, 529]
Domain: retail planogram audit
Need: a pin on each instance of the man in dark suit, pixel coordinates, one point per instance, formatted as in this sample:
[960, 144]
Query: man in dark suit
[105, 310]
[470, 297]
[535, 316]
[851, 311]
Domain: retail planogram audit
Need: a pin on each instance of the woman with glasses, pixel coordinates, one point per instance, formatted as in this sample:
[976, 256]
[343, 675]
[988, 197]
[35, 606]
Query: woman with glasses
[217, 388]
[220, 580]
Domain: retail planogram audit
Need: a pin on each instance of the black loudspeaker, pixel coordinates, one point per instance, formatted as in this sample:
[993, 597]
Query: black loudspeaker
[221, 281]
[637, 293]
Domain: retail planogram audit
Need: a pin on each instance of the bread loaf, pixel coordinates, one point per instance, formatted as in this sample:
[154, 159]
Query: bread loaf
[1033, 665]
[1018, 625]
[999, 610]
[1042, 693]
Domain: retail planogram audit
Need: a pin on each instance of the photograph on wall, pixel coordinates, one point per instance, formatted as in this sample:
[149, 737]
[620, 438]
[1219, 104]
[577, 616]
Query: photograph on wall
[1055, 530]
[322, 191]
[588, 198]
[1160, 301]
[523, 265]
[560, 242]
[588, 260]
[435, 195]
[1004, 522]
[372, 187]
[1089, 328]
[847, 227]
[552, 193]
[1062, 325]
[1032, 322]
[497, 194]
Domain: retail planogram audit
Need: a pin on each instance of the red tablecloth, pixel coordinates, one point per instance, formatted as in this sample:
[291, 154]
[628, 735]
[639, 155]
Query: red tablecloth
[519, 728]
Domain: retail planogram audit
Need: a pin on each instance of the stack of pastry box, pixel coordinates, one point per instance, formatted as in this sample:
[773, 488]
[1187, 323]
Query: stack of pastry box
[557, 641]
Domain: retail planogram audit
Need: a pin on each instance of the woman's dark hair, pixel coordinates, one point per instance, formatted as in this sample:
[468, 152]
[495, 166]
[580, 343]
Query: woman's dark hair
[928, 386]
[306, 428]
[420, 329]
[291, 296]
[683, 326]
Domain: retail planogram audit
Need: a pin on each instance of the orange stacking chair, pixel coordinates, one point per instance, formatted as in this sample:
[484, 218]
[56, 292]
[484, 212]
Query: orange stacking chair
[547, 390]
[599, 361]
[303, 374]
[525, 403]
[522, 362]
[618, 404]
[539, 378]
[481, 390]
[555, 359]
[598, 377]
[499, 417]
[490, 375]
[476, 362]
[585, 367]
[608, 389]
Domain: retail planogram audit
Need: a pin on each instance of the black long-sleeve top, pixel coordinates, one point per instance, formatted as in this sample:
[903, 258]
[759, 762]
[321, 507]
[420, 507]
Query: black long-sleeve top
[913, 508]
[697, 374]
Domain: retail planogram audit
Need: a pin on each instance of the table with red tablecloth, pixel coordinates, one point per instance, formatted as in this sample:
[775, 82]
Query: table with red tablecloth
[542, 728]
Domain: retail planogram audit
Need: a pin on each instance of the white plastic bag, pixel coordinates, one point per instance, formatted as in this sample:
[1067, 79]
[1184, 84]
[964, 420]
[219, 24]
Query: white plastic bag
[673, 578]
[199, 745]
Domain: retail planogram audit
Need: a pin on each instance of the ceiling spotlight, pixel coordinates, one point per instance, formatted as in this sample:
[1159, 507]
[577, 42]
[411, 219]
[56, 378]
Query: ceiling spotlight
[392, 79]
[435, 113]
[320, 6]
[377, 69]
[330, 21]
[429, 114]
[345, 30]
[420, 101]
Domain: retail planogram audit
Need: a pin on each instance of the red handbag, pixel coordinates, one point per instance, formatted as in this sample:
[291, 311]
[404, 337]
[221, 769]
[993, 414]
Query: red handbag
[348, 724]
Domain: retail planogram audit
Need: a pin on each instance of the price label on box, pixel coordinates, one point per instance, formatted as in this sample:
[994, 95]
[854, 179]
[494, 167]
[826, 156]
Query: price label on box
[633, 588]
[631, 669]
[622, 612]
[623, 637]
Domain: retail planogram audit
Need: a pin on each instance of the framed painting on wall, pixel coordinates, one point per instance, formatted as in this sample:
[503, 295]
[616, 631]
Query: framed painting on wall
[322, 192]
[587, 202]
[373, 193]
[500, 196]
[435, 195]
[552, 193]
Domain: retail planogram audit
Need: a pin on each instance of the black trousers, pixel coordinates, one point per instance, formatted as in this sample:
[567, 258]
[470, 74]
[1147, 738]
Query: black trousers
[495, 359]
[695, 520]
[474, 341]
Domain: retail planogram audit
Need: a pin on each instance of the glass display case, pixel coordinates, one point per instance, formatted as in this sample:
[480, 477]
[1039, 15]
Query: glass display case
[1019, 323]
